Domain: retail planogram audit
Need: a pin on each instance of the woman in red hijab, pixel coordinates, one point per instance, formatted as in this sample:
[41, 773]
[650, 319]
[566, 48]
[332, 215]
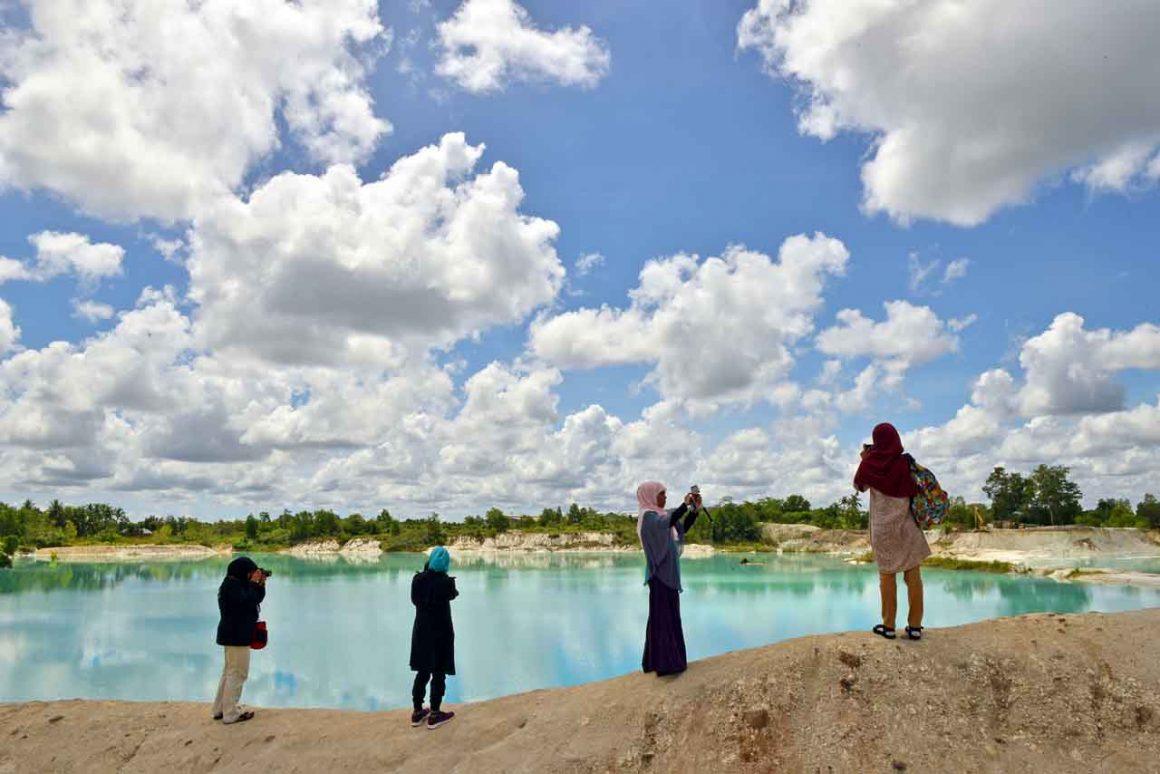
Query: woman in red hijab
[898, 543]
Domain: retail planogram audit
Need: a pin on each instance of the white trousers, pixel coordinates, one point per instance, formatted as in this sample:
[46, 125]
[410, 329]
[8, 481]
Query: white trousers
[234, 674]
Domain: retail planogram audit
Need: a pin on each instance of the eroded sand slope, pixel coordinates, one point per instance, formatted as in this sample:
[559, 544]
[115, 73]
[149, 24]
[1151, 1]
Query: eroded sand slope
[1035, 693]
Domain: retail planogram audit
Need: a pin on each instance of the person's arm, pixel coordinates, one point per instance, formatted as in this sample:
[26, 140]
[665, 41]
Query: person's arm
[247, 598]
[452, 591]
[415, 589]
[690, 520]
[676, 513]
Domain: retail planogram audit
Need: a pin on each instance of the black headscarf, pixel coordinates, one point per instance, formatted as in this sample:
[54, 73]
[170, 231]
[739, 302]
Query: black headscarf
[241, 568]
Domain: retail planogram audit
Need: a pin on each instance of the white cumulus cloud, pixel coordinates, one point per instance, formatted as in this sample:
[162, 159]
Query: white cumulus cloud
[714, 330]
[1071, 370]
[910, 335]
[65, 253]
[1067, 409]
[58, 253]
[92, 311]
[327, 268]
[9, 330]
[488, 43]
[135, 108]
[971, 106]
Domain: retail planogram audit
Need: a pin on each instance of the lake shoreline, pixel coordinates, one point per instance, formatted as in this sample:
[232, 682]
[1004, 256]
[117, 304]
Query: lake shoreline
[1033, 692]
[136, 552]
[1065, 554]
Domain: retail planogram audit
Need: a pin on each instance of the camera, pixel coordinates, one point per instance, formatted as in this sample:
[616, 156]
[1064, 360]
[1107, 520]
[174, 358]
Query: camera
[698, 506]
[265, 573]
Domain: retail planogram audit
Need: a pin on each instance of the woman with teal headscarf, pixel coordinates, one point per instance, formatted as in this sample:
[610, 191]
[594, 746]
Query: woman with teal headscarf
[433, 637]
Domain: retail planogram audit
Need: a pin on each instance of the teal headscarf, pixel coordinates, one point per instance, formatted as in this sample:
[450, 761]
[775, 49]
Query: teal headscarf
[439, 560]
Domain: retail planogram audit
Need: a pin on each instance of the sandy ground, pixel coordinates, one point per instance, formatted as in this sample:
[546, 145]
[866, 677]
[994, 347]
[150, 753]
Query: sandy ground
[804, 538]
[128, 553]
[1029, 694]
[1040, 549]
[1142, 579]
[1045, 545]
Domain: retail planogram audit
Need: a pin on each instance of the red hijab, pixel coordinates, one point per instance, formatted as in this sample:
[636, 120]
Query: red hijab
[884, 467]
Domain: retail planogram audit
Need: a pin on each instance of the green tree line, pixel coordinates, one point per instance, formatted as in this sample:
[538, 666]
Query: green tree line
[1047, 496]
[28, 527]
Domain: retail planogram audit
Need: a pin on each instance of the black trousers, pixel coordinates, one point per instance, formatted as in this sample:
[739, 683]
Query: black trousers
[664, 639]
[438, 688]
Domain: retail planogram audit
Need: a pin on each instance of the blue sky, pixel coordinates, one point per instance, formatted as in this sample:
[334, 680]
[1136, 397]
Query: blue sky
[691, 135]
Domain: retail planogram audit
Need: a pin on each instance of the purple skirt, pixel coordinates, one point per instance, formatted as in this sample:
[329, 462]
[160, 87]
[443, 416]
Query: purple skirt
[664, 641]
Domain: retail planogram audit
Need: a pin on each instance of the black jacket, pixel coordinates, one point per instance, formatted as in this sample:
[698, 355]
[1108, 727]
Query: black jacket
[238, 602]
[433, 636]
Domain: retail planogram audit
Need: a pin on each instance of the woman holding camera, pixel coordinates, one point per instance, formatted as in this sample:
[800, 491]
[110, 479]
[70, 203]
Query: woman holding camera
[662, 535]
[898, 543]
[241, 592]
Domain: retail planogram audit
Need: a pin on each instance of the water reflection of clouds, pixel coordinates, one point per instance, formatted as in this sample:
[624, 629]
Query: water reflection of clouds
[340, 631]
[550, 628]
[11, 646]
[93, 658]
[779, 600]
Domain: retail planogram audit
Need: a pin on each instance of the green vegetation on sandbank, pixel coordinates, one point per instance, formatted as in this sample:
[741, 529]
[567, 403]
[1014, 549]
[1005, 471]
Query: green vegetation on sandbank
[951, 563]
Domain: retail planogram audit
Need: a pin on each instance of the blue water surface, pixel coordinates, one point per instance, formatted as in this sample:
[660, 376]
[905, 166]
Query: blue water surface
[340, 629]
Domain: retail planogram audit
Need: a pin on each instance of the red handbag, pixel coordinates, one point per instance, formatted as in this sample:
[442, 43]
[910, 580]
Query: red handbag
[261, 636]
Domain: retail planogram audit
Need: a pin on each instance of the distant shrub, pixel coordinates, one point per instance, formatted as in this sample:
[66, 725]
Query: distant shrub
[410, 540]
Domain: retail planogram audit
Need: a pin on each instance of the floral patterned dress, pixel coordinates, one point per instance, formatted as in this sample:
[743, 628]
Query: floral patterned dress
[898, 543]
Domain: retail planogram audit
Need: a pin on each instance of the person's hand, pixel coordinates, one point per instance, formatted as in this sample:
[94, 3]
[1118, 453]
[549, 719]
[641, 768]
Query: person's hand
[257, 576]
[689, 500]
[865, 451]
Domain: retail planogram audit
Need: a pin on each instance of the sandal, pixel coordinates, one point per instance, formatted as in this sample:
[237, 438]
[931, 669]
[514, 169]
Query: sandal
[242, 718]
[914, 632]
[883, 631]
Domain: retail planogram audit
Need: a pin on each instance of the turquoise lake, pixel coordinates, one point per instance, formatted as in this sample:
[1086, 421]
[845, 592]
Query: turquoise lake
[340, 631]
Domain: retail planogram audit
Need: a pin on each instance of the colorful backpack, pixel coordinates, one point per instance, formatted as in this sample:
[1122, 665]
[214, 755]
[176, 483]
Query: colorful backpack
[929, 506]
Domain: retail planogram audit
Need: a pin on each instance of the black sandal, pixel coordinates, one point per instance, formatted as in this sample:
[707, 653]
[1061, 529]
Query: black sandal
[883, 631]
[914, 632]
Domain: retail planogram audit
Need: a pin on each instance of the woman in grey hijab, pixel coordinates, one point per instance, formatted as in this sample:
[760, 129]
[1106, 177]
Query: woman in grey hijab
[662, 535]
